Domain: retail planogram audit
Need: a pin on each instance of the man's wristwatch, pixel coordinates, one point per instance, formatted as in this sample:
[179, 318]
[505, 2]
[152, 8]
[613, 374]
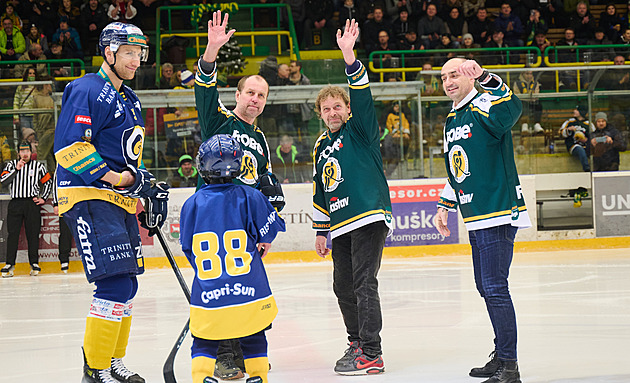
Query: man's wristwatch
[484, 76]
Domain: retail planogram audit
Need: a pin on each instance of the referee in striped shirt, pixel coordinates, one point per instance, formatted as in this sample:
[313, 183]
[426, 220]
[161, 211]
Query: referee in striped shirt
[30, 184]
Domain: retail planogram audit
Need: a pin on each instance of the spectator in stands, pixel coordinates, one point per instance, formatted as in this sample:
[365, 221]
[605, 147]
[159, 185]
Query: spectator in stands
[24, 99]
[300, 114]
[394, 7]
[298, 13]
[12, 43]
[470, 8]
[283, 74]
[480, 27]
[446, 43]
[9, 11]
[122, 11]
[432, 84]
[41, 16]
[167, 80]
[44, 123]
[186, 174]
[625, 40]
[540, 41]
[496, 58]
[611, 22]
[606, 143]
[398, 126]
[583, 23]
[34, 53]
[411, 43]
[386, 61]
[372, 29]
[576, 132]
[534, 25]
[69, 39]
[568, 79]
[446, 7]
[455, 25]
[70, 12]
[510, 25]
[431, 28]
[600, 54]
[526, 86]
[286, 162]
[319, 19]
[57, 70]
[93, 20]
[348, 11]
[401, 26]
[35, 36]
[469, 43]
[617, 79]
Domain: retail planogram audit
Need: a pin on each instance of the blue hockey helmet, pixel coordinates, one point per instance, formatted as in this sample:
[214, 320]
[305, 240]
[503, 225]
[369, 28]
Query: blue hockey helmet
[219, 157]
[116, 34]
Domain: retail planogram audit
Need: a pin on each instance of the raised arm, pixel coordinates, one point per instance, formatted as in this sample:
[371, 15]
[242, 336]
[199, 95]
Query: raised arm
[347, 40]
[217, 36]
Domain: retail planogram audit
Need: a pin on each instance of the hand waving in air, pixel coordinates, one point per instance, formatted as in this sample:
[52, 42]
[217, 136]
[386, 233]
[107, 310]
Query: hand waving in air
[217, 35]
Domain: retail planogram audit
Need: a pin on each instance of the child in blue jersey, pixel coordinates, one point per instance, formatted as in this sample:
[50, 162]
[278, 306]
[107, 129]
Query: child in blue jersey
[225, 231]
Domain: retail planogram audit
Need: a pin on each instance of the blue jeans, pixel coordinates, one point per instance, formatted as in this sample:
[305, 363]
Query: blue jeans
[581, 155]
[492, 250]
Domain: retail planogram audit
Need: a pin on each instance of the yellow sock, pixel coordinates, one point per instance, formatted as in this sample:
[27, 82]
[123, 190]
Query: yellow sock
[125, 329]
[257, 367]
[202, 366]
[102, 328]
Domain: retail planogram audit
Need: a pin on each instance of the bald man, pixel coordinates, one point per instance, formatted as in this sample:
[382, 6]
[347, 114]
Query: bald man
[484, 185]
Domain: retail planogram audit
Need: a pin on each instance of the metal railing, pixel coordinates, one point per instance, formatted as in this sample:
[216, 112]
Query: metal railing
[71, 62]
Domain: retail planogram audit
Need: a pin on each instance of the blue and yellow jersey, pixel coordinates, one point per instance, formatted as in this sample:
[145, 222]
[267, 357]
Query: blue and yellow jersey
[349, 186]
[479, 156]
[99, 129]
[231, 297]
[215, 118]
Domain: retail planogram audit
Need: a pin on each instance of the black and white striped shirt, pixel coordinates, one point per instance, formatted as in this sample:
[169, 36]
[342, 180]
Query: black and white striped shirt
[31, 181]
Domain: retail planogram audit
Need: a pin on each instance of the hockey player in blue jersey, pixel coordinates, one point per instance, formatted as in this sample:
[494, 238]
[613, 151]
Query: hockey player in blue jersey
[225, 231]
[100, 177]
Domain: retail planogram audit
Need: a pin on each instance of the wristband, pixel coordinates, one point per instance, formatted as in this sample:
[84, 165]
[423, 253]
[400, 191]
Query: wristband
[483, 76]
[120, 180]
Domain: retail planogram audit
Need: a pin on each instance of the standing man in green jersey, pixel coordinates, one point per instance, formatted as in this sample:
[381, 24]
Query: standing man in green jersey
[351, 201]
[484, 184]
[214, 118]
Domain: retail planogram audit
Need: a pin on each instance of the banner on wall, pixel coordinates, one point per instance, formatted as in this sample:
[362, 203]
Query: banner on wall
[611, 200]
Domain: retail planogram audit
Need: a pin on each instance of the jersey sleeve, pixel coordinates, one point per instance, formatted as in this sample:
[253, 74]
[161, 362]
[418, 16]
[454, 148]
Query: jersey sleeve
[82, 116]
[498, 109]
[265, 219]
[448, 199]
[321, 217]
[211, 112]
[363, 116]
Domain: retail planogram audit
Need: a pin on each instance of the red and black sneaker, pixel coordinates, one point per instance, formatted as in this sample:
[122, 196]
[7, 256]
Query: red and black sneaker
[361, 364]
[351, 352]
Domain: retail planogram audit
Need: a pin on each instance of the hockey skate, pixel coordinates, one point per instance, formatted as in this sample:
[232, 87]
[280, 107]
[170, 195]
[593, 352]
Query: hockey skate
[91, 375]
[226, 369]
[7, 271]
[122, 373]
[35, 269]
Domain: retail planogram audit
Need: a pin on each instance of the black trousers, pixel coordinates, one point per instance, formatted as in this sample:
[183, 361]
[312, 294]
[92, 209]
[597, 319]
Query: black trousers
[357, 259]
[65, 241]
[23, 210]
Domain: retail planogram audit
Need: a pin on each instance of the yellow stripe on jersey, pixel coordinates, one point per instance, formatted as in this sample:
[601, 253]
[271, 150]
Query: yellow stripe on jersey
[234, 321]
[475, 109]
[452, 114]
[67, 197]
[316, 206]
[492, 215]
[507, 97]
[78, 157]
[359, 86]
[204, 84]
[357, 217]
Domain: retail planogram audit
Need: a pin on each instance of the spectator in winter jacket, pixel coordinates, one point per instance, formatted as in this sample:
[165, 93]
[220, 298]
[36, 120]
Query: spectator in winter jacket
[510, 25]
[431, 28]
[480, 27]
[372, 28]
[186, 174]
[12, 43]
[576, 132]
[606, 143]
[611, 22]
[93, 20]
[319, 17]
[285, 162]
[69, 39]
[583, 23]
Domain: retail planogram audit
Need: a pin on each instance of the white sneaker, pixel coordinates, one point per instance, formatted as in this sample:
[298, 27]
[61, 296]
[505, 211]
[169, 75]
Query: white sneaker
[35, 269]
[64, 267]
[7, 271]
[525, 128]
[538, 128]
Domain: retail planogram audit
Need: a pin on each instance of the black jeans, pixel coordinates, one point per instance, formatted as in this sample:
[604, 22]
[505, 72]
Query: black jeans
[23, 210]
[65, 241]
[357, 259]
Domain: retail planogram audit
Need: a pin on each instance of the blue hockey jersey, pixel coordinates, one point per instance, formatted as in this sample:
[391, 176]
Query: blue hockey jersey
[99, 129]
[220, 226]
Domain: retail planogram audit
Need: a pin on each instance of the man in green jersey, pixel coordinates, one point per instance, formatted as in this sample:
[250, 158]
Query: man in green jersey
[484, 185]
[351, 201]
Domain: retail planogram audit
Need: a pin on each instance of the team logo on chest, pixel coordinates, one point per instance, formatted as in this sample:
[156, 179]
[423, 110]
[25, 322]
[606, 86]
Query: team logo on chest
[331, 174]
[249, 169]
[458, 163]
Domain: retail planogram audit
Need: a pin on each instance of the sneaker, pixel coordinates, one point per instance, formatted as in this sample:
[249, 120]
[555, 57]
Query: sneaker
[64, 267]
[350, 353]
[92, 375]
[361, 364]
[122, 373]
[226, 369]
[538, 128]
[506, 373]
[7, 271]
[35, 269]
[525, 128]
[489, 369]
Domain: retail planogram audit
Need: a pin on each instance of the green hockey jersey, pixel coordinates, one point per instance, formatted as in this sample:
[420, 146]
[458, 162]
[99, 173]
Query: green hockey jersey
[349, 186]
[479, 156]
[214, 118]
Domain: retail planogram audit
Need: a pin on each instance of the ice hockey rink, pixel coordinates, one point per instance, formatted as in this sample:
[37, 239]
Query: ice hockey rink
[573, 311]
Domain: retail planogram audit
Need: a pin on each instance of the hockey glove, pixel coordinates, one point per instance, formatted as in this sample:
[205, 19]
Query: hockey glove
[155, 208]
[140, 187]
[268, 184]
